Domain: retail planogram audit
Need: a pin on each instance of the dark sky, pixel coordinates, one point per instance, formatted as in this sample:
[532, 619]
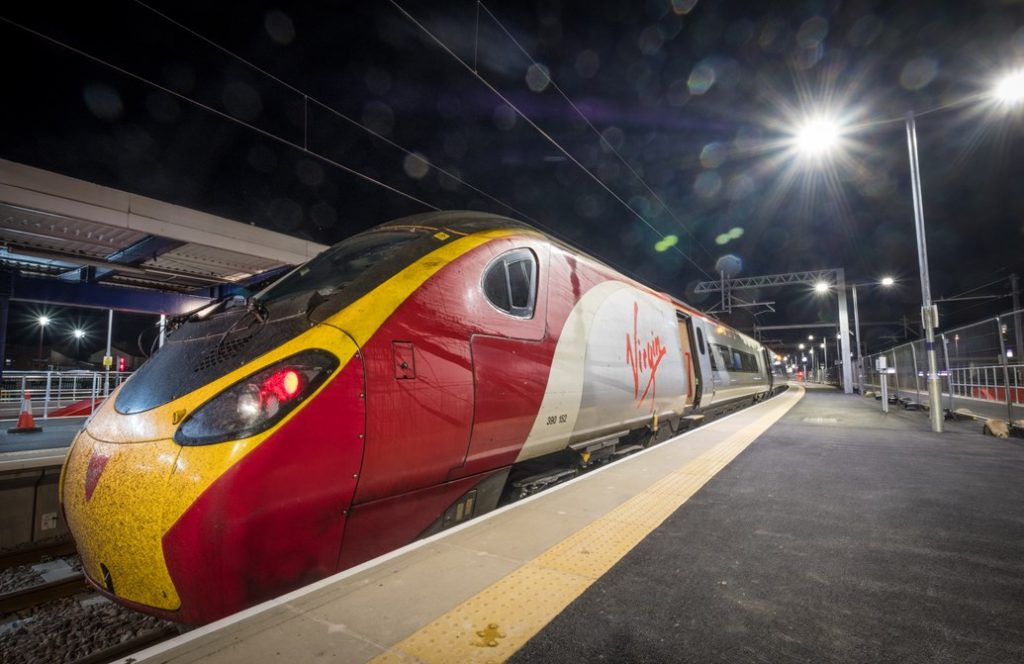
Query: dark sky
[694, 101]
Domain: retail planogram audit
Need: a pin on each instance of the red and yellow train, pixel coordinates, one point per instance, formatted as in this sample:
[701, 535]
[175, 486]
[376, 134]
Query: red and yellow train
[401, 382]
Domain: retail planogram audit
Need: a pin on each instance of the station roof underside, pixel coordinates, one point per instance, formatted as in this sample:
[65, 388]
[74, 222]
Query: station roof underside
[61, 228]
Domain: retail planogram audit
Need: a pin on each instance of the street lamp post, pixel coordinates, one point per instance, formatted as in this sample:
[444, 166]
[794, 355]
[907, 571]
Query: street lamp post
[887, 282]
[929, 312]
[43, 322]
[820, 135]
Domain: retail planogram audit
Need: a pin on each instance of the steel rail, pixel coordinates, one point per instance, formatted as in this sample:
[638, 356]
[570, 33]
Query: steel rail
[25, 598]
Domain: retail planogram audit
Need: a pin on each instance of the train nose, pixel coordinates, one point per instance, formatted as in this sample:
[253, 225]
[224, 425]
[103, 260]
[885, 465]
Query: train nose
[114, 498]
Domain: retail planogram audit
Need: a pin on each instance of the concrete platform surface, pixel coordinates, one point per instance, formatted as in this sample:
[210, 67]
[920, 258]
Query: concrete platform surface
[841, 535]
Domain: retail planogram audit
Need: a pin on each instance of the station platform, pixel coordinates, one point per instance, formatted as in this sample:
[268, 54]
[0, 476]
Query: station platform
[57, 433]
[811, 527]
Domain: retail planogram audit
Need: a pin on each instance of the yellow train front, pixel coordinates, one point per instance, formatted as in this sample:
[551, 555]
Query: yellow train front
[397, 384]
[221, 474]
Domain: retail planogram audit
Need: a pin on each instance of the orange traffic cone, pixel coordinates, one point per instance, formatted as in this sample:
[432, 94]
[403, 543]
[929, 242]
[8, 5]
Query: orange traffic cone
[26, 423]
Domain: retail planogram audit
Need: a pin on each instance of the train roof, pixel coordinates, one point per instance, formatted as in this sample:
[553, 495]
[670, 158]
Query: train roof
[470, 221]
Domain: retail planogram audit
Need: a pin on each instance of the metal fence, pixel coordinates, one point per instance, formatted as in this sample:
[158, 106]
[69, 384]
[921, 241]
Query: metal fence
[981, 368]
[53, 390]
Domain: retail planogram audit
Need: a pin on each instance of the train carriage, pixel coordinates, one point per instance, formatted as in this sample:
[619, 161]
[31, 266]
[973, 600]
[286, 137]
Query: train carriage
[403, 381]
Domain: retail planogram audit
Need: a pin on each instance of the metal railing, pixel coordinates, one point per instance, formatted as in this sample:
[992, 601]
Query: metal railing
[51, 390]
[981, 368]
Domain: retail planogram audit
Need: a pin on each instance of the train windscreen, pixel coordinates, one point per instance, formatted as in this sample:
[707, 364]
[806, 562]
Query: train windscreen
[335, 268]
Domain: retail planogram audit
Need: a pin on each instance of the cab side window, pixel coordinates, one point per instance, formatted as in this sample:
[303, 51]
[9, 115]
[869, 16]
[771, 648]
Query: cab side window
[510, 283]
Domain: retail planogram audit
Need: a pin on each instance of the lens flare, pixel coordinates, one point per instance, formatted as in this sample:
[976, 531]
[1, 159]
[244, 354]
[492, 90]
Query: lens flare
[817, 137]
[1010, 88]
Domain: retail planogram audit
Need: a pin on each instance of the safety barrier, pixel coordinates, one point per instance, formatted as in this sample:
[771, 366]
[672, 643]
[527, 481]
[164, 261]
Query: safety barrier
[52, 390]
[980, 367]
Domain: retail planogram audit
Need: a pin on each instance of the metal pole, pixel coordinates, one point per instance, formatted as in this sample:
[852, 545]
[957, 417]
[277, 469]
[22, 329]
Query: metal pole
[844, 333]
[824, 355]
[723, 290]
[46, 399]
[929, 314]
[856, 332]
[110, 333]
[163, 329]
[895, 375]
[917, 372]
[1018, 335]
[949, 370]
[1006, 373]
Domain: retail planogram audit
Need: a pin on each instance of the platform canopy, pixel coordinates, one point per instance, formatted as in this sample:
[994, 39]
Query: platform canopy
[54, 226]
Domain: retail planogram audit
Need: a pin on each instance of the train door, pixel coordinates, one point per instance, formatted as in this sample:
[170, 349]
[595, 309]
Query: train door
[510, 357]
[769, 368]
[688, 348]
[707, 367]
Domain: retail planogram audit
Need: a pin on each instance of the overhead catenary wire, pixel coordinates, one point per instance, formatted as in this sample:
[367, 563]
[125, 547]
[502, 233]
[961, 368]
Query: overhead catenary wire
[307, 98]
[544, 134]
[302, 148]
[214, 111]
[604, 141]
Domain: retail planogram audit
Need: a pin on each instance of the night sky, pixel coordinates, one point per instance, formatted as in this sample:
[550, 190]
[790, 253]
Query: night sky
[657, 134]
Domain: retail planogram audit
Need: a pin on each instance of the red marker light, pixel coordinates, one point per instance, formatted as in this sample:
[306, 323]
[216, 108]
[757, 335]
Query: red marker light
[290, 382]
[284, 384]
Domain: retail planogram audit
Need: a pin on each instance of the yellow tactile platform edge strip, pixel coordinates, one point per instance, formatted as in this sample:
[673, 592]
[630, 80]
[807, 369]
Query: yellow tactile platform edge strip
[492, 625]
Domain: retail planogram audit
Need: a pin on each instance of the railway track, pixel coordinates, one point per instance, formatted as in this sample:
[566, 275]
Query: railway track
[131, 646]
[28, 597]
[36, 554]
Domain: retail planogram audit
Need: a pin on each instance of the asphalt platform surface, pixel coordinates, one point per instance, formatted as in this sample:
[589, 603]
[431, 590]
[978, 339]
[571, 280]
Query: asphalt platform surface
[57, 432]
[841, 535]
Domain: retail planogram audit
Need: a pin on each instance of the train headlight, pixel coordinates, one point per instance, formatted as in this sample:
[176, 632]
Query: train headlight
[258, 401]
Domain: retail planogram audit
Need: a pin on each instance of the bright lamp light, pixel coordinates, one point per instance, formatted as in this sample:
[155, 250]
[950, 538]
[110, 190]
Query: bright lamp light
[817, 136]
[1010, 88]
[821, 287]
[888, 281]
[44, 320]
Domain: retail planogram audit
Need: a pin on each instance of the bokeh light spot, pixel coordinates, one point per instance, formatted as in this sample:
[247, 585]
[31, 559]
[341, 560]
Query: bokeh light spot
[736, 233]
[683, 7]
[666, 243]
[279, 27]
[651, 40]
[379, 117]
[740, 186]
[537, 77]
[730, 264]
[708, 184]
[103, 100]
[712, 156]
[702, 77]
[812, 33]
[613, 139]
[416, 166]
[918, 73]
[504, 117]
